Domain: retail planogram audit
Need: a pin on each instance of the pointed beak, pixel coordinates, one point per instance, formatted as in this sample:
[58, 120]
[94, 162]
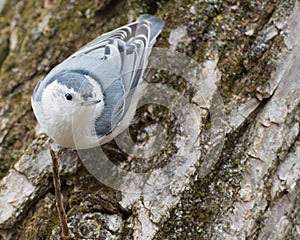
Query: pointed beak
[90, 101]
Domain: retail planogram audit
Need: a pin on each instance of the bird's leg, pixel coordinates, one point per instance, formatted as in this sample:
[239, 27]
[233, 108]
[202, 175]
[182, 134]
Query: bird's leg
[112, 149]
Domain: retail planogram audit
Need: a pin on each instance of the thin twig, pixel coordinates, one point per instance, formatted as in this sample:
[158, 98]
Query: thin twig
[66, 233]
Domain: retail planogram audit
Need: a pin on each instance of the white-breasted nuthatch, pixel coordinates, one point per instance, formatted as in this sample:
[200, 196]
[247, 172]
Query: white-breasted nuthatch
[91, 96]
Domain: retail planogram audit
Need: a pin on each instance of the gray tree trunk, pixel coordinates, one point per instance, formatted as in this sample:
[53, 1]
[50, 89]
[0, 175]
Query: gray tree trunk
[221, 157]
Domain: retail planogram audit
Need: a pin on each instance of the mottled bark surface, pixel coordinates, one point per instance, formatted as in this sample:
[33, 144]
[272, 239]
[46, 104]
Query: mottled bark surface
[231, 161]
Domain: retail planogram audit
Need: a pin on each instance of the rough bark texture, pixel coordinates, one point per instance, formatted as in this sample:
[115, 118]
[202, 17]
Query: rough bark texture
[235, 160]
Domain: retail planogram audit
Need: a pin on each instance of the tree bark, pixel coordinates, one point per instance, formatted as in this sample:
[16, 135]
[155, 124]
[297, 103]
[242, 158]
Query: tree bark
[227, 164]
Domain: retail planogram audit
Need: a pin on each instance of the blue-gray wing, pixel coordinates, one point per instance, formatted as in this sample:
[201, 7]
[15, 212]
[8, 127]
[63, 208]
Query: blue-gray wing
[126, 52]
[125, 49]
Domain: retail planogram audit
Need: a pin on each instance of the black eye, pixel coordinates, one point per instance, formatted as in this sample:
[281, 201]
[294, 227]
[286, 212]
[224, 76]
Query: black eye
[68, 96]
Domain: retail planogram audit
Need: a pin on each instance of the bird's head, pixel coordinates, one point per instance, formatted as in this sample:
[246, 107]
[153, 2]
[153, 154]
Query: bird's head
[71, 102]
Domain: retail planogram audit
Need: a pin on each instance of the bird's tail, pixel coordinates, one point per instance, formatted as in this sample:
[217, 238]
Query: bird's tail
[157, 26]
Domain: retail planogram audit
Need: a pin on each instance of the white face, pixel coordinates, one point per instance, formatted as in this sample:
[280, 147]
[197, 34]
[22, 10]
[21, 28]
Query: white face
[68, 116]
